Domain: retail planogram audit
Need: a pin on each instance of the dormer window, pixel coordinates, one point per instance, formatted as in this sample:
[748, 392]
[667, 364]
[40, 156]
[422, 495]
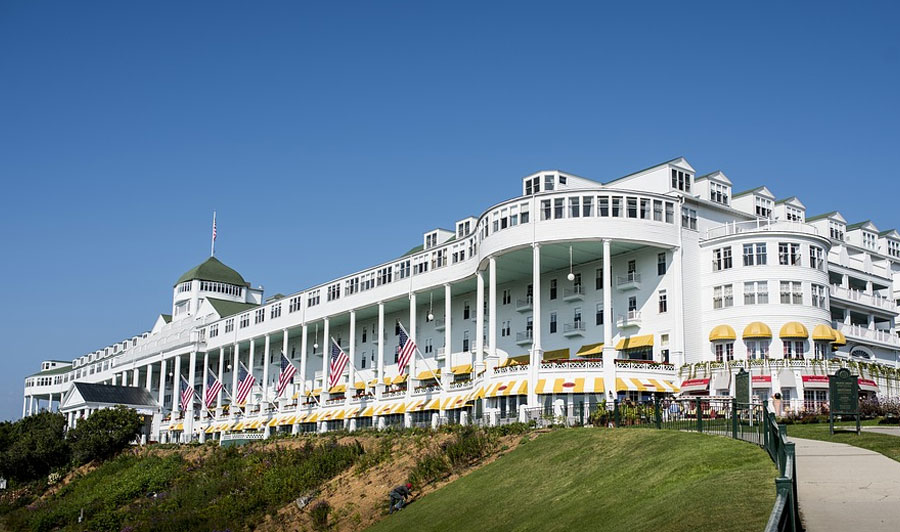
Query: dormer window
[548, 182]
[681, 180]
[718, 193]
[430, 240]
[764, 207]
[532, 186]
[836, 230]
[893, 248]
[793, 214]
[869, 240]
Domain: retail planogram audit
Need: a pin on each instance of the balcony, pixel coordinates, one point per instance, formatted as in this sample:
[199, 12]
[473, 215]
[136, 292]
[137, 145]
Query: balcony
[632, 319]
[863, 298]
[872, 335]
[440, 324]
[759, 225]
[571, 330]
[630, 281]
[524, 338]
[525, 305]
[576, 293]
[441, 353]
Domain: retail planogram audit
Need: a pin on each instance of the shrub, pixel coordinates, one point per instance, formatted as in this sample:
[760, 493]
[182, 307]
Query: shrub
[104, 434]
[33, 447]
[319, 514]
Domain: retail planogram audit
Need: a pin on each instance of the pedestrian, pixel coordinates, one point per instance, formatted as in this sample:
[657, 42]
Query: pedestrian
[398, 497]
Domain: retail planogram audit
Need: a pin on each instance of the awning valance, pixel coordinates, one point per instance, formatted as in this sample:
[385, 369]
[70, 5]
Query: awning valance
[815, 381]
[556, 354]
[722, 333]
[340, 388]
[569, 385]
[645, 385]
[839, 338]
[590, 350]
[504, 388]
[694, 385]
[793, 330]
[823, 333]
[635, 342]
[516, 361]
[757, 329]
[867, 385]
[428, 374]
[462, 369]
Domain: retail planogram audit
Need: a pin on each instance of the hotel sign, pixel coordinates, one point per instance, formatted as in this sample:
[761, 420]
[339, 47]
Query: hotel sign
[843, 391]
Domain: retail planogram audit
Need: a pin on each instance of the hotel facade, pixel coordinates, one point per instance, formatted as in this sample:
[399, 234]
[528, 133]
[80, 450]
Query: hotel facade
[571, 294]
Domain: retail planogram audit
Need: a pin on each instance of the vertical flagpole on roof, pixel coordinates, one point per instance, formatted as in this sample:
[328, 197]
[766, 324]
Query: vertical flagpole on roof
[212, 245]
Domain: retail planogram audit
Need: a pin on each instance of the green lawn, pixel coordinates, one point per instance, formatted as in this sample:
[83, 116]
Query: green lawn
[601, 479]
[880, 443]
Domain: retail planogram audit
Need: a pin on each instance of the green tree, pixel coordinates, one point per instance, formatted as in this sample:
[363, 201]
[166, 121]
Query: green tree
[33, 447]
[104, 433]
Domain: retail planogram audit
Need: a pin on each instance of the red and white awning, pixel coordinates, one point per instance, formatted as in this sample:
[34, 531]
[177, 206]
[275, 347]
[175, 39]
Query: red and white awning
[761, 381]
[867, 385]
[815, 381]
[695, 385]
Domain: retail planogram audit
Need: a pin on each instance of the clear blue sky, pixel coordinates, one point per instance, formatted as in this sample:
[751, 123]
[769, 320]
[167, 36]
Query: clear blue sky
[329, 137]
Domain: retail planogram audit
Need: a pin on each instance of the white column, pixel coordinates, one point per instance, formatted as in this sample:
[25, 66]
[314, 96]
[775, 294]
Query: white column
[250, 366]
[148, 382]
[303, 340]
[220, 376]
[448, 337]
[677, 355]
[479, 322]
[326, 353]
[266, 357]
[609, 352]
[536, 348]
[284, 351]
[234, 376]
[161, 397]
[189, 415]
[412, 361]
[352, 354]
[492, 307]
[136, 378]
[204, 381]
[176, 387]
[24, 405]
[380, 374]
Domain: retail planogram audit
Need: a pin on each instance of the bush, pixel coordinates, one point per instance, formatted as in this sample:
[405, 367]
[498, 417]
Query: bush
[319, 515]
[33, 447]
[104, 434]
[468, 445]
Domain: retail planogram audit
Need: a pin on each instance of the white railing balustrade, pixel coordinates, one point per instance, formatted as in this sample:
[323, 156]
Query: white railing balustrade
[630, 277]
[760, 224]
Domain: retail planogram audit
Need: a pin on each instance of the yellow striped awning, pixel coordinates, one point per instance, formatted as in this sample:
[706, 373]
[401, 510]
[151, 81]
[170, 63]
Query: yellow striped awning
[428, 374]
[373, 382]
[398, 379]
[353, 412]
[340, 388]
[462, 369]
[210, 429]
[368, 412]
[256, 424]
[599, 385]
[570, 385]
[312, 418]
[792, 330]
[288, 420]
[515, 361]
[505, 388]
[721, 333]
[590, 350]
[478, 394]
[556, 354]
[418, 404]
[757, 329]
[296, 395]
[635, 342]
[239, 426]
[823, 333]
[273, 422]
[435, 404]
[340, 414]
[314, 392]
[399, 408]
[839, 338]
[383, 409]
[359, 385]
[539, 387]
[458, 401]
[645, 385]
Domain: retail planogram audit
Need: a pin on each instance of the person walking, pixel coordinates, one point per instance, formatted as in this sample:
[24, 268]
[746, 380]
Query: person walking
[398, 497]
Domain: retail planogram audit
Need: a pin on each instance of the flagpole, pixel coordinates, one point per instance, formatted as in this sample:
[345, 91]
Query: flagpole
[212, 245]
[422, 357]
[355, 369]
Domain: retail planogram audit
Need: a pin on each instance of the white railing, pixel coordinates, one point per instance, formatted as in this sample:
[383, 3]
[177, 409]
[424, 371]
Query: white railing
[857, 331]
[633, 317]
[630, 277]
[574, 292]
[524, 303]
[462, 385]
[526, 336]
[441, 351]
[519, 368]
[577, 326]
[760, 224]
[640, 365]
[864, 298]
[242, 436]
[389, 395]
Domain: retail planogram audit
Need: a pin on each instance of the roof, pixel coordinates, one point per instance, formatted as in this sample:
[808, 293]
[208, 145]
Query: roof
[416, 249]
[166, 317]
[820, 216]
[54, 371]
[645, 169]
[785, 200]
[229, 308]
[750, 191]
[888, 232]
[857, 225]
[212, 269]
[116, 395]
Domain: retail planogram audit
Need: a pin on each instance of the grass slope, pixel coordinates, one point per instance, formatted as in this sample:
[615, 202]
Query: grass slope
[880, 443]
[599, 479]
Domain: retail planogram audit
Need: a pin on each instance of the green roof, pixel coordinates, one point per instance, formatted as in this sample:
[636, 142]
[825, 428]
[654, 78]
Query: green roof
[416, 249]
[643, 170]
[885, 233]
[212, 269]
[857, 225]
[229, 308]
[745, 192]
[820, 216]
[166, 318]
[54, 371]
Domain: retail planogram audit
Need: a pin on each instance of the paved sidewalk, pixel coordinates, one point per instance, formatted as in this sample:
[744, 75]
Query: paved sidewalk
[890, 431]
[842, 487]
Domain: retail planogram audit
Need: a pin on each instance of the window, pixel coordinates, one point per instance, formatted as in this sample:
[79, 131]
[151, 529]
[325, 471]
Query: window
[466, 341]
[276, 311]
[724, 351]
[632, 207]
[661, 263]
[722, 259]
[294, 304]
[334, 292]
[466, 311]
[819, 297]
[816, 257]
[576, 317]
[402, 270]
[214, 330]
[523, 213]
[229, 325]
[756, 292]
[718, 193]
[793, 349]
[681, 180]
[793, 214]
[893, 248]
[723, 296]
[598, 317]
[663, 302]
[788, 254]
[603, 206]
[757, 349]
[576, 283]
[632, 304]
[820, 349]
[617, 206]
[507, 296]
[869, 240]
[312, 299]
[836, 230]
[670, 212]
[545, 209]
[552, 322]
[657, 211]
[599, 279]
[259, 316]
[552, 289]
[763, 207]
[587, 206]
[688, 218]
[791, 292]
[384, 275]
[548, 182]
[245, 321]
[558, 210]
[645, 209]
[429, 346]
[505, 328]
[574, 207]
[755, 254]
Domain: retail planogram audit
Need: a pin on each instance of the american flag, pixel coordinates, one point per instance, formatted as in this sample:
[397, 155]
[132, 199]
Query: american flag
[338, 363]
[214, 226]
[245, 384]
[187, 393]
[406, 350]
[287, 373]
[213, 387]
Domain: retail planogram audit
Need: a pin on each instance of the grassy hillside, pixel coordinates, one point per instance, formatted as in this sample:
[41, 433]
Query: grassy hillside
[598, 479]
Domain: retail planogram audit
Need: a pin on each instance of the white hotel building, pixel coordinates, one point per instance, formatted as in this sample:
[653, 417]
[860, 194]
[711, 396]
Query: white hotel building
[571, 293]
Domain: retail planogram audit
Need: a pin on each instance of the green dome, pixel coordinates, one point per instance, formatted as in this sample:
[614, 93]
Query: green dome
[212, 269]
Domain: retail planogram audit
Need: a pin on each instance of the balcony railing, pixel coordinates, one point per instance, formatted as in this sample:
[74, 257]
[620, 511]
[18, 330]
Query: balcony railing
[573, 329]
[525, 305]
[760, 224]
[645, 365]
[863, 298]
[524, 337]
[576, 293]
[440, 324]
[875, 335]
[631, 319]
[631, 280]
